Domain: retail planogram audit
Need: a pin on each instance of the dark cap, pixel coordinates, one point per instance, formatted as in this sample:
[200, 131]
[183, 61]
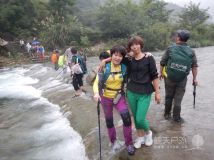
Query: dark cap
[183, 35]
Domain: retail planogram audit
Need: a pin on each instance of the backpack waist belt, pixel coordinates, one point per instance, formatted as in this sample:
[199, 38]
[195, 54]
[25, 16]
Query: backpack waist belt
[111, 89]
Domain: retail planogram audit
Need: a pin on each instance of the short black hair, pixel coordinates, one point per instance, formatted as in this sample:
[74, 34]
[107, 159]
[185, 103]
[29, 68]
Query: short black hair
[104, 55]
[73, 50]
[183, 34]
[120, 49]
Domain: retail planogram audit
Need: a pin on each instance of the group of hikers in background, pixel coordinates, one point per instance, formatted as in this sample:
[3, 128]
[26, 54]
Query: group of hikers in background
[75, 63]
[35, 49]
[126, 78]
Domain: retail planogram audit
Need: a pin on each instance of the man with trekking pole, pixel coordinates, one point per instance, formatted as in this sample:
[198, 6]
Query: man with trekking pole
[175, 66]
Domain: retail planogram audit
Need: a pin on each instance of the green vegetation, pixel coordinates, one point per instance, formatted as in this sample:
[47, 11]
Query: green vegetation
[87, 23]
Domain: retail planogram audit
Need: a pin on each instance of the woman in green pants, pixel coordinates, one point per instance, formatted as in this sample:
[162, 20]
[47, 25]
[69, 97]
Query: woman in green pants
[143, 81]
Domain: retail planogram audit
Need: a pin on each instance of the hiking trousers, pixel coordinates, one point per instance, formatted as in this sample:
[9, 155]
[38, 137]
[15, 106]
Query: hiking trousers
[139, 104]
[122, 109]
[77, 81]
[174, 91]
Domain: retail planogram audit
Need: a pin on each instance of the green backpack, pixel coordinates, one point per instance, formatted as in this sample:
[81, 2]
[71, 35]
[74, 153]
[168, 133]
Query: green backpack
[179, 62]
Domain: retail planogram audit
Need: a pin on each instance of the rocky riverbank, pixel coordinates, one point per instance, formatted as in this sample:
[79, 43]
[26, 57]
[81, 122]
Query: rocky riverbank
[6, 61]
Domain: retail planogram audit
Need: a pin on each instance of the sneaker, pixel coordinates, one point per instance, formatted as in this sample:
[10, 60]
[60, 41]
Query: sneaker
[130, 150]
[117, 145]
[139, 141]
[148, 139]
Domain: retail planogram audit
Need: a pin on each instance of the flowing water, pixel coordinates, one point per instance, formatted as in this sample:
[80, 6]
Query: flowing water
[31, 127]
[39, 119]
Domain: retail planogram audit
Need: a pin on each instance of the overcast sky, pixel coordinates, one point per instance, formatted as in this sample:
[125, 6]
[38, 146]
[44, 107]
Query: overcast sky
[203, 4]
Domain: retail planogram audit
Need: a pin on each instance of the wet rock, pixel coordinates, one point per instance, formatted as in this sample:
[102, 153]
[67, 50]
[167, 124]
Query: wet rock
[3, 42]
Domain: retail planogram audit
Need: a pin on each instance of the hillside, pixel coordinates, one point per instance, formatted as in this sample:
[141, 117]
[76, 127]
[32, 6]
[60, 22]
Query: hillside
[175, 11]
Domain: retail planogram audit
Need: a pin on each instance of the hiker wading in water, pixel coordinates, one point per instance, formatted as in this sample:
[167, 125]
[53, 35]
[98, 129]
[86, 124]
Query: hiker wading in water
[143, 81]
[175, 66]
[108, 88]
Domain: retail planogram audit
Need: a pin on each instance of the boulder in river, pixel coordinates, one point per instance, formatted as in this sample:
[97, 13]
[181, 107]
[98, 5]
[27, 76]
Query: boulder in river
[3, 42]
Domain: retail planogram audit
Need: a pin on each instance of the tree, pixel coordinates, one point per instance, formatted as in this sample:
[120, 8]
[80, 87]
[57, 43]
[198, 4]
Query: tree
[118, 19]
[154, 24]
[156, 36]
[61, 34]
[193, 16]
[17, 17]
[61, 8]
[154, 11]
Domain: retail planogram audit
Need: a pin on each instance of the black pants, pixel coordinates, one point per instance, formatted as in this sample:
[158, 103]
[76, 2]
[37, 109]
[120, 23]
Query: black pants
[174, 91]
[77, 81]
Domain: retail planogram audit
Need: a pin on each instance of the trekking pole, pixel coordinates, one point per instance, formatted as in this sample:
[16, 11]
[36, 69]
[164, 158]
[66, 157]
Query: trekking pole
[60, 72]
[98, 114]
[194, 95]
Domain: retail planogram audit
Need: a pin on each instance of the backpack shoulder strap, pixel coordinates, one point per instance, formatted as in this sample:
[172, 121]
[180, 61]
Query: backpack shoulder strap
[77, 59]
[78, 56]
[103, 76]
[74, 59]
[123, 68]
[124, 73]
[107, 72]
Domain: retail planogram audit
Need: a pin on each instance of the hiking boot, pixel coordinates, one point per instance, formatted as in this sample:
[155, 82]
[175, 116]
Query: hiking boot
[139, 141]
[148, 139]
[178, 120]
[117, 145]
[130, 150]
[167, 116]
[75, 95]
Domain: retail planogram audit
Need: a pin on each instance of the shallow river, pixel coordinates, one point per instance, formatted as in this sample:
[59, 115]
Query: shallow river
[40, 121]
